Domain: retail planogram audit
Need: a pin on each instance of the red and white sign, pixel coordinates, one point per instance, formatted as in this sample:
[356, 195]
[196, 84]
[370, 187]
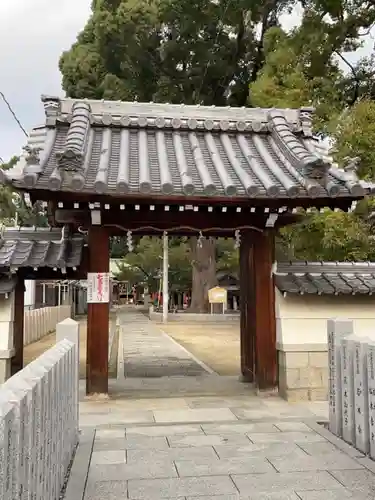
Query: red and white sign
[98, 288]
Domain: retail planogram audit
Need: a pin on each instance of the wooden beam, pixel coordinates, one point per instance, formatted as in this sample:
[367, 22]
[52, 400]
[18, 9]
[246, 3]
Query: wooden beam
[81, 197]
[97, 317]
[18, 326]
[47, 273]
[152, 221]
[258, 322]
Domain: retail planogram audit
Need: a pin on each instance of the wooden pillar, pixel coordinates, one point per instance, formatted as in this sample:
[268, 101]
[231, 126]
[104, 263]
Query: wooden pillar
[18, 326]
[97, 317]
[247, 302]
[258, 321]
[265, 339]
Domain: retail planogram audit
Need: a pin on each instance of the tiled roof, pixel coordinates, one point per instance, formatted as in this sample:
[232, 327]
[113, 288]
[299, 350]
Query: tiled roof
[35, 248]
[326, 278]
[119, 149]
[7, 285]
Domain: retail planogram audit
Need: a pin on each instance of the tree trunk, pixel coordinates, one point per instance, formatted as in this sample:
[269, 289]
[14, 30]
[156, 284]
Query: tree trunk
[204, 273]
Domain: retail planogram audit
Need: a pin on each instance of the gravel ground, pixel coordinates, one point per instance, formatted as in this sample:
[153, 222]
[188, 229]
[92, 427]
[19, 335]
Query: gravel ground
[217, 345]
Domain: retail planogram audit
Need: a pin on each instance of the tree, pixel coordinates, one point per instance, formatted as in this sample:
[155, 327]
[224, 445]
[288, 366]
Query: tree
[179, 51]
[144, 264]
[14, 210]
[331, 236]
[354, 136]
[299, 71]
[211, 52]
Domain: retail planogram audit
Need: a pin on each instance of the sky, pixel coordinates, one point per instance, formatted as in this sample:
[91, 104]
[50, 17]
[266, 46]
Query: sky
[33, 34]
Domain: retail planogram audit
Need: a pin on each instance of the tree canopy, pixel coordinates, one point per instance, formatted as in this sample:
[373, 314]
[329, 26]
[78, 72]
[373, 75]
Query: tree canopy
[144, 264]
[227, 52]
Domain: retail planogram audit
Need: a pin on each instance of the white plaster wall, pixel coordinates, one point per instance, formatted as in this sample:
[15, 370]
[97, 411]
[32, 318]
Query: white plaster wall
[302, 319]
[29, 294]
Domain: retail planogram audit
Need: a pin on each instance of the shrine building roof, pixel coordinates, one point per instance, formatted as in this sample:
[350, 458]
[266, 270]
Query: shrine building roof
[36, 248]
[326, 278]
[7, 284]
[122, 149]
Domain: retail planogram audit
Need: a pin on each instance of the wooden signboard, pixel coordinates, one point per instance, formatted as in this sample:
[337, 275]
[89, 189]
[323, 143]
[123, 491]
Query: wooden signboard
[217, 295]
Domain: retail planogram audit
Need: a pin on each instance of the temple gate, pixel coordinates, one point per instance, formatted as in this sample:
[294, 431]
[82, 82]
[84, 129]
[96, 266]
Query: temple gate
[116, 168]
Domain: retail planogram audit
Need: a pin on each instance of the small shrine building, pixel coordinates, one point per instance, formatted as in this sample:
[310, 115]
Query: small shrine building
[117, 168]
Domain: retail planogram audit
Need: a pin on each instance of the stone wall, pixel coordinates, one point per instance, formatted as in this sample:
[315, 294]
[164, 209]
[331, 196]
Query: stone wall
[39, 425]
[303, 372]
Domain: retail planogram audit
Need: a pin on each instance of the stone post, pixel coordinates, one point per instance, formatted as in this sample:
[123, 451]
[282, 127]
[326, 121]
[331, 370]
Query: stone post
[69, 330]
[347, 382]
[361, 396]
[336, 330]
[6, 335]
[371, 395]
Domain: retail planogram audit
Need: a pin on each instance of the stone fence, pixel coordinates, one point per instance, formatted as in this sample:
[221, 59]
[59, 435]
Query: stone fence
[41, 322]
[351, 386]
[39, 425]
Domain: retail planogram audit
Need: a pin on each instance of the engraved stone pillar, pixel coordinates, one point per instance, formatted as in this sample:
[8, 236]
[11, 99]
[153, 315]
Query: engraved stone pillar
[371, 395]
[347, 382]
[361, 396]
[336, 330]
[6, 440]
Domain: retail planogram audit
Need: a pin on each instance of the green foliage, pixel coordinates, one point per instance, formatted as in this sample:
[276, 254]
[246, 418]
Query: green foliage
[355, 137]
[331, 236]
[13, 207]
[285, 80]
[227, 255]
[145, 264]
[189, 51]
[212, 52]
[302, 68]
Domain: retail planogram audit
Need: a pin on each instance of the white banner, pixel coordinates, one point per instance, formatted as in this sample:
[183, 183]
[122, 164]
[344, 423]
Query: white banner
[98, 288]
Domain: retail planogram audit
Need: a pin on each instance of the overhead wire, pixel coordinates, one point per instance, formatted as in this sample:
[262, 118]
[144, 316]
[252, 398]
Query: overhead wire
[13, 113]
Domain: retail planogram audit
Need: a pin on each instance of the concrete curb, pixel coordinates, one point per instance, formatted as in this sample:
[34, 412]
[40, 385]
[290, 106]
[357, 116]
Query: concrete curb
[120, 355]
[75, 489]
[336, 441]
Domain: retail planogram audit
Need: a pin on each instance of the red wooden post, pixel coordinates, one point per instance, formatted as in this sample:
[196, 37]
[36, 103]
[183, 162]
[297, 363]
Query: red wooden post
[97, 317]
[247, 308]
[258, 321]
[18, 326]
[265, 337]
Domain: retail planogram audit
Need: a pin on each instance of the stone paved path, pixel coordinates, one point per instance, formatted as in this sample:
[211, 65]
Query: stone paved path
[214, 449]
[150, 353]
[227, 446]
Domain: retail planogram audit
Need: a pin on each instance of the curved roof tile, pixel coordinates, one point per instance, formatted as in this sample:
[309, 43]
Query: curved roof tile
[120, 148]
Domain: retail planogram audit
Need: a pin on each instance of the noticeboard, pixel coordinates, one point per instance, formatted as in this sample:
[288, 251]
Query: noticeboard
[217, 295]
